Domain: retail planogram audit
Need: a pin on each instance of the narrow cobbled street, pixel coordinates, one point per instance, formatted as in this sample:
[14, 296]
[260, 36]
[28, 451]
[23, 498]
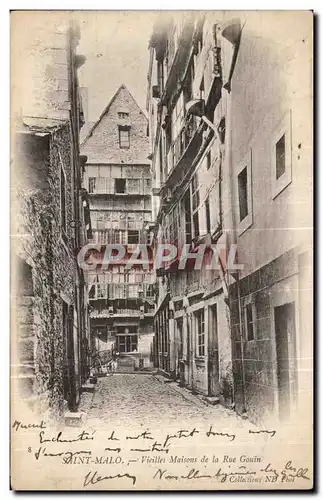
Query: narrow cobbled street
[147, 399]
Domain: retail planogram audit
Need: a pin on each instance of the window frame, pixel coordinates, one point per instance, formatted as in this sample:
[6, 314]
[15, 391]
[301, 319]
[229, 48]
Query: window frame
[124, 129]
[123, 115]
[208, 160]
[92, 185]
[195, 205]
[207, 215]
[130, 236]
[245, 223]
[249, 305]
[283, 129]
[115, 185]
[243, 204]
[200, 334]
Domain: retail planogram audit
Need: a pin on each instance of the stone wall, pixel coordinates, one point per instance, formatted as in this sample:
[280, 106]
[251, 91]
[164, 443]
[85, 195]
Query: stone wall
[51, 265]
[272, 285]
[103, 145]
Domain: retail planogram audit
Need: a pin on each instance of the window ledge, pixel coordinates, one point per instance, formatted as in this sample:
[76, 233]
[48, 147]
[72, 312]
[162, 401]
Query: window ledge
[245, 224]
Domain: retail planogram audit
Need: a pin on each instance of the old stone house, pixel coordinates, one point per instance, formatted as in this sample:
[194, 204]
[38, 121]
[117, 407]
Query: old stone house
[118, 180]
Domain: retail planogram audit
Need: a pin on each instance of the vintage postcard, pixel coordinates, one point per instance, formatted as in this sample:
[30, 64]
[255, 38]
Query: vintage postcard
[161, 250]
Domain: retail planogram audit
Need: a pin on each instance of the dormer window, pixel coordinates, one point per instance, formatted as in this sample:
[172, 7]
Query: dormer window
[123, 115]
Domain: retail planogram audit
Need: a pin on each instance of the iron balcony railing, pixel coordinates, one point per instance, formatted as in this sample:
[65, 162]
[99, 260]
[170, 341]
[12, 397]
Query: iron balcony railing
[105, 313]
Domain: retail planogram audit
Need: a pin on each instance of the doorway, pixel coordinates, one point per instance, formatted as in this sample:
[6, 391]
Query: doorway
[69, 381]
[213, 353]
[286, 358]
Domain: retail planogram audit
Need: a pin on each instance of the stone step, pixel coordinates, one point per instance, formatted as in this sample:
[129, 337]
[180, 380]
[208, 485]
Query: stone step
[74, 419]
[88, 387]
[212, 400]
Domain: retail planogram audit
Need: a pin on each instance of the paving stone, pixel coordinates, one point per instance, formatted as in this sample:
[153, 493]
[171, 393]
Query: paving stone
[143, 399]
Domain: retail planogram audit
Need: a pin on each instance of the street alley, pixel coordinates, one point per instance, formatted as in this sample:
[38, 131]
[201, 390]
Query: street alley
[146, 399]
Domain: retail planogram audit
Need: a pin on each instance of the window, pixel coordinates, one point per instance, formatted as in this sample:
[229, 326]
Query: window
[127, 343]
[92, 182]
[196, 224]
[188, 84]
[188, 223]
[124, 138]
[147, 186]
[195, 205]
[179, 324]
[207, 215]
[198, 38]
[208, 160]
[249, 322]
[199, 317]
[63, 201]
[280, 157]
[161, 159]
[173, 225]
[243, 193]
[119, 237]
[133, 186]
[139, 277]
[123, 115]
[133, 237]
[195, 194]
[120, 186]
[202, 89]
[133, 291]
[160, 76]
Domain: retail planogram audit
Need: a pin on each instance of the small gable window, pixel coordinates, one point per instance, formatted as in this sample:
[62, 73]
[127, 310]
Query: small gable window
[123, 115]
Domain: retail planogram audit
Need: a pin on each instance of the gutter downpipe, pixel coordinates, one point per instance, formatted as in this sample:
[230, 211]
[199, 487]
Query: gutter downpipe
[229, 169]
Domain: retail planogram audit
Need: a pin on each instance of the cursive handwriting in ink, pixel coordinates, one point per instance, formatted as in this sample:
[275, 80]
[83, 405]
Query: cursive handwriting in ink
[68, 455]
[210, 432]
[291, 471]
[112, 438]
[154, 447]
[193, 474]
[183, 433]
[263, 432]
[83, 436]
[113, 449]
[269, 470]
[224, 475]
[94, 477]
[143, 435]
[19, 425]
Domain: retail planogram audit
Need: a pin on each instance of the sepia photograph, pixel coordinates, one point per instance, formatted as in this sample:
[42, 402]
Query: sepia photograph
[161, 250]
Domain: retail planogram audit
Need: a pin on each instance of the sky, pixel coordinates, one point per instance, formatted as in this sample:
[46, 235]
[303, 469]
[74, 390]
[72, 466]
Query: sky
[116, 48]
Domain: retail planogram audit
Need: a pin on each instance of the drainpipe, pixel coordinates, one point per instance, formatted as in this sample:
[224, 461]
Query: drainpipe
[228, 168]
[241, 344]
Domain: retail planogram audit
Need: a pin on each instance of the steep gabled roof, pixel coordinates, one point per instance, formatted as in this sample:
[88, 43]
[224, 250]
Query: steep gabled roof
[106, 109]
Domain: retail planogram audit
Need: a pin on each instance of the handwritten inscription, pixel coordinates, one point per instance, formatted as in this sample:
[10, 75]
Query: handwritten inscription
[94, 477]
[18, 425]
[114, 456]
